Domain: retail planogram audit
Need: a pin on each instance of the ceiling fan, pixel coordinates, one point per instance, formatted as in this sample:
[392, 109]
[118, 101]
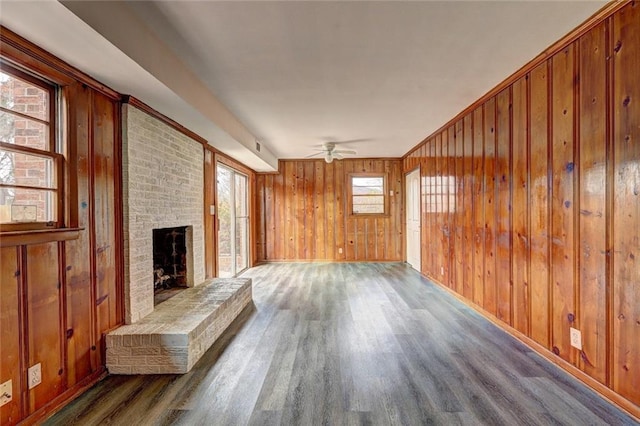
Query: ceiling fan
[331, 153]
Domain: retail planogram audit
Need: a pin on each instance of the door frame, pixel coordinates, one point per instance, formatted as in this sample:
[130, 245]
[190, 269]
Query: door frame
[223, 161]
[418, 200]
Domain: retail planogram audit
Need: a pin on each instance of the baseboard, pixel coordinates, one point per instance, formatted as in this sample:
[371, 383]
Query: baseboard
[64, 398]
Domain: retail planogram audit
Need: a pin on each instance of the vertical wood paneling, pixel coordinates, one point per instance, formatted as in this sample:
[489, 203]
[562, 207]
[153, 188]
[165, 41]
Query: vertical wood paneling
[10, 413]
[279, 236]
[626, 202]
[340, 208]
[520, 221]
[556, 191]
[45, 328]
[539, 205]
[562, 202]
[209, 219]
[503, 202]
[310, 212]
[438, 250]
[104, 145]
[459, 209]
[329, 206]
[448, 201]
[468, 218]
[425, 249]
[81, 360]
[261, 209]
[592, 164]
[478, 206]
[300, 198]
[489, 193]
[318, 189]
[289, 197]
[311, 224]
[434, 270]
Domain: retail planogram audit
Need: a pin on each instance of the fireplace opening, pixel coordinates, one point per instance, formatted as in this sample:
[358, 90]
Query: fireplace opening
[170, 262]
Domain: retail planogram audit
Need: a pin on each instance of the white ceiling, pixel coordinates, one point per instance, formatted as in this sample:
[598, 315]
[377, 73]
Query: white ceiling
[296, 74]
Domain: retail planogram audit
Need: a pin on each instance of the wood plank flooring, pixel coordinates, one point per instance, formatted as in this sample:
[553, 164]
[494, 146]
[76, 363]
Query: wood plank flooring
[351, 344]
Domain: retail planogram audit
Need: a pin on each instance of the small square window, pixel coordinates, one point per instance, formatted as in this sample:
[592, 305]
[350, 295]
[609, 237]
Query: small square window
[368, 194]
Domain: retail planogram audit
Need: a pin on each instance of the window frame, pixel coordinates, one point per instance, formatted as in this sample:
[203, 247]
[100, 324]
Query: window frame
[52, 151]
[385, 192]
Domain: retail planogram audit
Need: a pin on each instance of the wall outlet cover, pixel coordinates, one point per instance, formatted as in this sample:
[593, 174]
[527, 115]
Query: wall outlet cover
[35, 375]
[576, 338]
[6, 392]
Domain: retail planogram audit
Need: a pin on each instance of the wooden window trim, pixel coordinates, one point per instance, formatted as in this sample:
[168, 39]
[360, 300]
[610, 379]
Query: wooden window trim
[385, 180]
[51, 151]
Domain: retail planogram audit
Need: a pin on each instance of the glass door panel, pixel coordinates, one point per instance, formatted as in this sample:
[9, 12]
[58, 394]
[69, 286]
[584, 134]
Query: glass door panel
[233, 221]
[242, 222]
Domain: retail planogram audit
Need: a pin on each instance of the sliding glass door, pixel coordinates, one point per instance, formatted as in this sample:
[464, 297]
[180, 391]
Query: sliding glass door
[233, 221]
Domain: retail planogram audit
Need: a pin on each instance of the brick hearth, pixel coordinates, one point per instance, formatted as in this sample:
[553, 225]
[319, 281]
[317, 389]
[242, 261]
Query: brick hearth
[179, 331]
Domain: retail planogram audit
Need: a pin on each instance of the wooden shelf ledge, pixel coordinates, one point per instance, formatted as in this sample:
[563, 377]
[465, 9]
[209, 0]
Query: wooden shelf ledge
[38, 236]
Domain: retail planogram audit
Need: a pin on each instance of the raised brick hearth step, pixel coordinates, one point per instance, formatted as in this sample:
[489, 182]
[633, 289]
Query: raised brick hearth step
[172, 338]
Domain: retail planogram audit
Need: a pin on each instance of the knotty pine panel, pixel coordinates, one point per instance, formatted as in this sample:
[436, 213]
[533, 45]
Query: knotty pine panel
[539, 204]
[431, 209]
[425, 248]
[562, 202]
[81, 359]
[503, 206]
[592, 318]
[467, 208]
[438, 209]
[477, 194]
[489, 193]
[519, 208]
[449, 203]
[458, 188]
[565, 175]
[313, 222]
[626, 203]
[10, 368]
[210, 220]
[106, 246]
[45, 326]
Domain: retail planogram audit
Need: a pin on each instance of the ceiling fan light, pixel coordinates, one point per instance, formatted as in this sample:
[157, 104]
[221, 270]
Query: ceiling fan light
[328, 158]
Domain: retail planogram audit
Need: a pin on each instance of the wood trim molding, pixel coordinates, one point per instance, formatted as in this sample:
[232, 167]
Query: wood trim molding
[220, 157]
[65, 398]
[604, 391]
[130, 100]
[595, 19]
[19, 50]
[19, 238]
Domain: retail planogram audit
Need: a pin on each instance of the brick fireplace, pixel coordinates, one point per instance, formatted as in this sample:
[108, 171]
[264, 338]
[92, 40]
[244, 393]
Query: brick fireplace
[163, 178]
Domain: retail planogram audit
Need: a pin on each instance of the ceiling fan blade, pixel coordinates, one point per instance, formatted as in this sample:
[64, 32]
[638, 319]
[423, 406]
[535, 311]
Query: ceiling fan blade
[337, 155]
[344, 151]
[316, 154]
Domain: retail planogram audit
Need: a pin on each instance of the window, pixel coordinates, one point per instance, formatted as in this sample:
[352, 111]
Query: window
[440, 193]
[368, 193]
[30, 167]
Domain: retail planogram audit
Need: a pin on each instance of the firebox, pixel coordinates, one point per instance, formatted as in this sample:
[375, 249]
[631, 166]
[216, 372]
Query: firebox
[170, 264]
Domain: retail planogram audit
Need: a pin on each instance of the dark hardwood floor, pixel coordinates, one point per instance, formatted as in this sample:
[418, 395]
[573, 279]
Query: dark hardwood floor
[341, 344]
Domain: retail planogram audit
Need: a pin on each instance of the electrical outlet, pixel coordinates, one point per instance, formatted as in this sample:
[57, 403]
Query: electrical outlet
[576, 338]
[340, 250]
[35, 375]
[442, 270]
[6, 392]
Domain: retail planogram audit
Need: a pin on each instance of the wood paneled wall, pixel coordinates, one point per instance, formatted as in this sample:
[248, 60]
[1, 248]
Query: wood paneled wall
[303, 213]
[537, 204]
[60, 292]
